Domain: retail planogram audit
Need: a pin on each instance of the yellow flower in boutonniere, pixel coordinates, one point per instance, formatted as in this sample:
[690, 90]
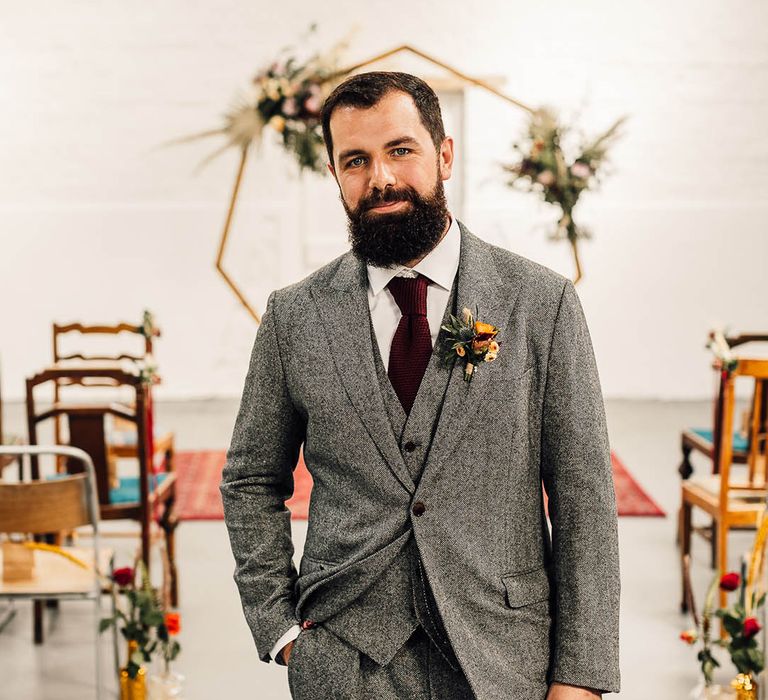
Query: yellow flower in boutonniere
[469, 339]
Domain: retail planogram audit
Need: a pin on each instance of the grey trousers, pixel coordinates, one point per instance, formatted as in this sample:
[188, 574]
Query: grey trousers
[323, 667]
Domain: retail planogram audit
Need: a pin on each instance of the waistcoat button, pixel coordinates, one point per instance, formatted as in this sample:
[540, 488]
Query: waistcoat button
[419, 508]
[409, 446]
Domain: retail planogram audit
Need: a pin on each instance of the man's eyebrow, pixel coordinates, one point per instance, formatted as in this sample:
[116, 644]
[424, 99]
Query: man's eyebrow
[390, 144]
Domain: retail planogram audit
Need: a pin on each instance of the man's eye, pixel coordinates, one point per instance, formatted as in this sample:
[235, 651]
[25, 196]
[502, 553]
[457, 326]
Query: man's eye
[352, 162]
[402, 148]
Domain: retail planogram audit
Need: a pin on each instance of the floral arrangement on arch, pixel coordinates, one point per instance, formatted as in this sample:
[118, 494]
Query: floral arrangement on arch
[543, 167]
[285, 96]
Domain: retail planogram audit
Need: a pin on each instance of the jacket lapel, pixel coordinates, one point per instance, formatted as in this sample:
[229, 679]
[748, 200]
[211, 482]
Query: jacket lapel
[481, 286]
[343, 308]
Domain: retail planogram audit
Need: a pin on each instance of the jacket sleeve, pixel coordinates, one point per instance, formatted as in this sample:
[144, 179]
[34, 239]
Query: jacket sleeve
[577, 475]
[256, 482]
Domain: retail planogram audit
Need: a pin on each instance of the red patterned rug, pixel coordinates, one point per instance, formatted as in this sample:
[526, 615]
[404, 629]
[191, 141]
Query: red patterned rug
[199, 474]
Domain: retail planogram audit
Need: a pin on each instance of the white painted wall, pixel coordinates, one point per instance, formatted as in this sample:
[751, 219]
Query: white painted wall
[96, 223]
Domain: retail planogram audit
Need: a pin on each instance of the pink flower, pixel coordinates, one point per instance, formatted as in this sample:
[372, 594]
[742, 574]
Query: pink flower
[546, 178]
[312, 104]
[581, 170]
[290, 108]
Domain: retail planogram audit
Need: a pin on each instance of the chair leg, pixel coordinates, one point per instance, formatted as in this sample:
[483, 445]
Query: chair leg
[686, 468]
[37, 621]
[684, 526]
[168, 523]
[722, 565]
[146, 536]
[97, 660]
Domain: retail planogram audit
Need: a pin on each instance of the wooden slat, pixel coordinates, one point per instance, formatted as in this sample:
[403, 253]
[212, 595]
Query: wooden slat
[44, 506]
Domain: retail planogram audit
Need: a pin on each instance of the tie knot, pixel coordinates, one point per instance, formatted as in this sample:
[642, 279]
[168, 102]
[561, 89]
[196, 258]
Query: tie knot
[410, 293]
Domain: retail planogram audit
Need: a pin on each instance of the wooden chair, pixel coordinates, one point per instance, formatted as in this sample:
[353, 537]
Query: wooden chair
[122, 443]
[37, 507]
[5, 438]
[706, 440]
[703, 440]
[147, 497]
[733, 501]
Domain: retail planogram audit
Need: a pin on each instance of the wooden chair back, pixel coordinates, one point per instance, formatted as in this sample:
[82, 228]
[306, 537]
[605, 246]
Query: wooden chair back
[44, 506]
[732, 341]
[39, 507]
[146, 329]
[87, 422]
[757, 370]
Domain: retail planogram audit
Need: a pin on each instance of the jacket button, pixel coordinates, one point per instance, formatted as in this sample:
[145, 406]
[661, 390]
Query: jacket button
[307, 624]
[419, 508]
[409, 446]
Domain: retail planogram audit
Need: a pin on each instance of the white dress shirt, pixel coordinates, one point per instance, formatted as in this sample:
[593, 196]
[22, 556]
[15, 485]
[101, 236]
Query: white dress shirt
[439, 266]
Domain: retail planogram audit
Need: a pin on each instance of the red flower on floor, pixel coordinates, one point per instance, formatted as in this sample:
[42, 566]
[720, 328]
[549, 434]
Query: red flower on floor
[689, 636]
[173, 623]
[751, 627]
[123, 577]
[730, 581]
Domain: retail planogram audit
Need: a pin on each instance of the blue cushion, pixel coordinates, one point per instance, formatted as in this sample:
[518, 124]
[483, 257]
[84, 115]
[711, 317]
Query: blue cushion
[128, 491]
[739, 442]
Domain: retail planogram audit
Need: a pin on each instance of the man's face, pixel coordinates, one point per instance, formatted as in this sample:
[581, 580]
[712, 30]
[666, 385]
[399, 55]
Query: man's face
[390, 179]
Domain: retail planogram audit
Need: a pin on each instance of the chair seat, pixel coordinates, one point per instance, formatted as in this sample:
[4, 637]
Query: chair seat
[56, 576]
[704, 491]
[707, 435]
[128, 489]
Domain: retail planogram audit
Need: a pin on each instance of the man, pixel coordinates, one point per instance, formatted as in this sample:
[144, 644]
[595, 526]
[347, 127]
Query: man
[429, 570]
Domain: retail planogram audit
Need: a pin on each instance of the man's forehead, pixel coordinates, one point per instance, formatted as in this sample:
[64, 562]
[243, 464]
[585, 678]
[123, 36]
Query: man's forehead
[394, 112]
[376, 127]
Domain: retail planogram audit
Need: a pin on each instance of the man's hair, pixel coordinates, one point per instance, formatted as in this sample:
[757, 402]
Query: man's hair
[365, 90]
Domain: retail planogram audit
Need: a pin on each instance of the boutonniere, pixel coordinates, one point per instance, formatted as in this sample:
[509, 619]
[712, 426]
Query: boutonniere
[472, 340]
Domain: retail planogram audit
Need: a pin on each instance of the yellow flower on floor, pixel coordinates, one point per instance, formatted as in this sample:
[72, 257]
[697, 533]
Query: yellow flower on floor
[493, 346]
[490, 356]
[460, 351]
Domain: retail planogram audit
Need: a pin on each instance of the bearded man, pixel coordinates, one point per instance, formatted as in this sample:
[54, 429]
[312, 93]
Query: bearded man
[429, 570]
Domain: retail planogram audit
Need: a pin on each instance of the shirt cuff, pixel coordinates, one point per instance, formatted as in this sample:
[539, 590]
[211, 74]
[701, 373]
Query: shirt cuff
[289, 636]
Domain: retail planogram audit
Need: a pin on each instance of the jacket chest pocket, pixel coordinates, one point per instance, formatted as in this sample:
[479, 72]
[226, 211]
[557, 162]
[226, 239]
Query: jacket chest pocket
[503, 389]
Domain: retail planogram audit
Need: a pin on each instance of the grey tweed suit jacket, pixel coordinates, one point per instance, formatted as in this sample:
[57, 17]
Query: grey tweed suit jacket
[522, 607]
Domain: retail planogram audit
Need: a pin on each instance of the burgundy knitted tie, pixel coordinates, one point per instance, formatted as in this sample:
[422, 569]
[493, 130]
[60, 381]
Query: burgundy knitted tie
[412, 344]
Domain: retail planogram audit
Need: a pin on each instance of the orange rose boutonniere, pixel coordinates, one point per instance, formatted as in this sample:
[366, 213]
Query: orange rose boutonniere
[472, 340]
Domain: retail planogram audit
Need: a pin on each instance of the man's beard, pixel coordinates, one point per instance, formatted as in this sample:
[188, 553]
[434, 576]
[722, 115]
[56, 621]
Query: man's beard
[384, 239]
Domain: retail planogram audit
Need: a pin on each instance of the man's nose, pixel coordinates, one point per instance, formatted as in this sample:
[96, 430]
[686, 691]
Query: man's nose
[381, 175]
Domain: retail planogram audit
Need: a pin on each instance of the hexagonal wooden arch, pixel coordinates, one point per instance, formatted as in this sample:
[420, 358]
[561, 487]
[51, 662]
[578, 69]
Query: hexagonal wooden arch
[244, 154]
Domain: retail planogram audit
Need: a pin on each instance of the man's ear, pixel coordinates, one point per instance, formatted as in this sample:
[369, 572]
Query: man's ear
[445, 158]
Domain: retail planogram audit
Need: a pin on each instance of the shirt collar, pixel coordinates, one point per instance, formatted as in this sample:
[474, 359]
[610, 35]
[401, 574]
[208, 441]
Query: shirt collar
[439, 265]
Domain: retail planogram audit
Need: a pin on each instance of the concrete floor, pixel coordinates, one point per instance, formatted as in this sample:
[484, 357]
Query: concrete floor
[219, 658]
